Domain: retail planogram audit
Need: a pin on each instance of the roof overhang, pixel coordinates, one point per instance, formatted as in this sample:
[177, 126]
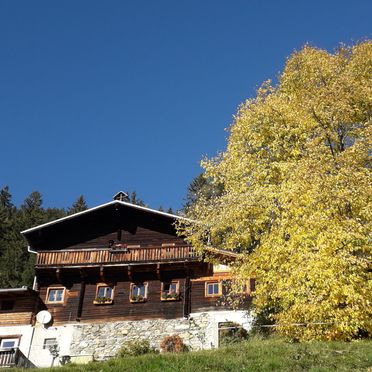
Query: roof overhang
[23, 291]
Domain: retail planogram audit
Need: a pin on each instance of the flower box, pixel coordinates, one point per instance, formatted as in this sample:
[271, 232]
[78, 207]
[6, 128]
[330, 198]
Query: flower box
[137, 299]
[102, 301]
[170, 296]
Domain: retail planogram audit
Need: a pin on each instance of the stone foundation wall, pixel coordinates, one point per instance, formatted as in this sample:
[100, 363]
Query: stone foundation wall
[104, 340]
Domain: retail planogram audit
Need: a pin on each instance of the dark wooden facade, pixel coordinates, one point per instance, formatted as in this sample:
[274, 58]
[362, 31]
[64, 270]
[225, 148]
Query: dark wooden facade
[18, 306]
[119, 246]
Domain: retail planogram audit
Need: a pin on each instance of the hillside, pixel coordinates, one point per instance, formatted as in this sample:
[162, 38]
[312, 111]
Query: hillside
[254, 355]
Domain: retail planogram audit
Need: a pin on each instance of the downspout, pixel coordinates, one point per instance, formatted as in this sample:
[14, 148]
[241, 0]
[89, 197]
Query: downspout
[30, 250]
[34, 285]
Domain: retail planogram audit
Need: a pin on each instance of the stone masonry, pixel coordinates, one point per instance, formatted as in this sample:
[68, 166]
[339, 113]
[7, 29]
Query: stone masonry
[103, 340]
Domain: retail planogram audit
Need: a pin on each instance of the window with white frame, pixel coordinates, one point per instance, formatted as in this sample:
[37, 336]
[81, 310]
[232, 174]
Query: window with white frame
[55, 295]
[8, 343]
[104, 294]
[49, 342]
[213, 289]
[170, 290]
[138, 292]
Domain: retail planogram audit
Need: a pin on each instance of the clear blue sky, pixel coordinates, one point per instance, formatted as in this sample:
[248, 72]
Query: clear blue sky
[101, 96]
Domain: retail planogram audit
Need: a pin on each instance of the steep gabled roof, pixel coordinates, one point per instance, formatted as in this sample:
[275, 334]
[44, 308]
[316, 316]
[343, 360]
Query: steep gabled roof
[101, 219]
[90, 210]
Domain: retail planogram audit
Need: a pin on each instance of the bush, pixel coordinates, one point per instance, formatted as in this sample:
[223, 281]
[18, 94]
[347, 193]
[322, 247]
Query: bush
[173, 344]
[232, 333]
[135, 348]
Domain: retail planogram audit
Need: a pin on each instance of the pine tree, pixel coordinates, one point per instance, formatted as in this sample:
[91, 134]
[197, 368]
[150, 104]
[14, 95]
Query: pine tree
[135, 200]
[78, 206]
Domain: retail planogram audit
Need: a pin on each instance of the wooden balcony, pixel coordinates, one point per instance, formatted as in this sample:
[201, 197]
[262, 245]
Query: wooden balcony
[115, 257]
[13, 357]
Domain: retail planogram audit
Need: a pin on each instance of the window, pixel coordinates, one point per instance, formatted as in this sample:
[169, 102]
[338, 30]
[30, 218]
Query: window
[138, 292]
[7, 343]
[7, 305]
[49, 342]
[55, 295]
[170, 291]
[104, 294]
[213, 289]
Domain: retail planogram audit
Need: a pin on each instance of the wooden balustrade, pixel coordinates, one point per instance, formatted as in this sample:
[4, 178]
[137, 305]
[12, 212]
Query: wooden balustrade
[92, 257]
[13, 357]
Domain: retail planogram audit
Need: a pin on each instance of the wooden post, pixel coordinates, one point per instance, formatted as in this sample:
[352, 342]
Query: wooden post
[59, 275]
[187, 296]
[83, 276]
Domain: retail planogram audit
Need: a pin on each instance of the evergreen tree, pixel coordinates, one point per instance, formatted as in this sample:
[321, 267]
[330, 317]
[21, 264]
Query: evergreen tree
[134, 200]
[16, 263]
[202, 186]
[78, 206]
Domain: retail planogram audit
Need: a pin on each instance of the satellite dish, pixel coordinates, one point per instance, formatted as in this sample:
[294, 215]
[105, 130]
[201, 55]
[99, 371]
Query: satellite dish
[44, 317]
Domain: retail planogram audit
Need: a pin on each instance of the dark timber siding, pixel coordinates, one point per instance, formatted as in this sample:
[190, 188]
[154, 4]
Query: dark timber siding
[143, 237]
[122, 308]
[21, 313]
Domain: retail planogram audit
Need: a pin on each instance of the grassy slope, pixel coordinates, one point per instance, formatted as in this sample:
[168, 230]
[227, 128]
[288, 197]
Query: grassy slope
[254, 355]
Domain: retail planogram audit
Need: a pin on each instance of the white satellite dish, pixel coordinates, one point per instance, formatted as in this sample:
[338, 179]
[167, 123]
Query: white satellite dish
[44, 317]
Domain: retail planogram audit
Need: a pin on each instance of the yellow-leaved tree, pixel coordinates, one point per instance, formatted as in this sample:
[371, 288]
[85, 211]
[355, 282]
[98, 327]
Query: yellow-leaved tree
[296, 200]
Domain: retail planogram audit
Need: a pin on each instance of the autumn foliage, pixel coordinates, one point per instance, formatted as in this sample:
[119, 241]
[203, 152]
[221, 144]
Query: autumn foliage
[172, 344]
[296, 198]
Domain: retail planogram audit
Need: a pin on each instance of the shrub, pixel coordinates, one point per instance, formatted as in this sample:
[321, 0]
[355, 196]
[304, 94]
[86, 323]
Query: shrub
[232, 333]
[173, 344]
[135, 348]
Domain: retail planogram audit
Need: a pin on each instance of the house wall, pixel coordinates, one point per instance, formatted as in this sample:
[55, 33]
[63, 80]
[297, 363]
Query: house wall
[21, 313]
[104, 340]
[139, 235]
[122, 308]
[25, 333]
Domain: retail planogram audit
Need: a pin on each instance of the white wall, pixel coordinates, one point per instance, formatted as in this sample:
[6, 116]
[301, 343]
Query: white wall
[24, 331]
[237, 316]
[63, 335]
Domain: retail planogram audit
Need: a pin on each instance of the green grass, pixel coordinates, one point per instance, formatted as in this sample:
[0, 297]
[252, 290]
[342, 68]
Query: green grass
[254, 355]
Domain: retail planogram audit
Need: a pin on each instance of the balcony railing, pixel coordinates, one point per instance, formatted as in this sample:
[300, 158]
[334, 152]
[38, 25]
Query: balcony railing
[96, 257]
[13, 357]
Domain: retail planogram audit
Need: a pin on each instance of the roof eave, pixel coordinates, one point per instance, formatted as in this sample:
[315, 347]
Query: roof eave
[169, 215]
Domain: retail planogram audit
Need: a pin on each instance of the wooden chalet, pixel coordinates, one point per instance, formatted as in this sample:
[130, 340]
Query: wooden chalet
[120, 261]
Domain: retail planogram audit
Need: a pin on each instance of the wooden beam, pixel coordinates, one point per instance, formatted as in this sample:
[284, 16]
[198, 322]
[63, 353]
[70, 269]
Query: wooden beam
[81, 300]
[158, 271]
[83, 274]
[102, 274]
[59, 275]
